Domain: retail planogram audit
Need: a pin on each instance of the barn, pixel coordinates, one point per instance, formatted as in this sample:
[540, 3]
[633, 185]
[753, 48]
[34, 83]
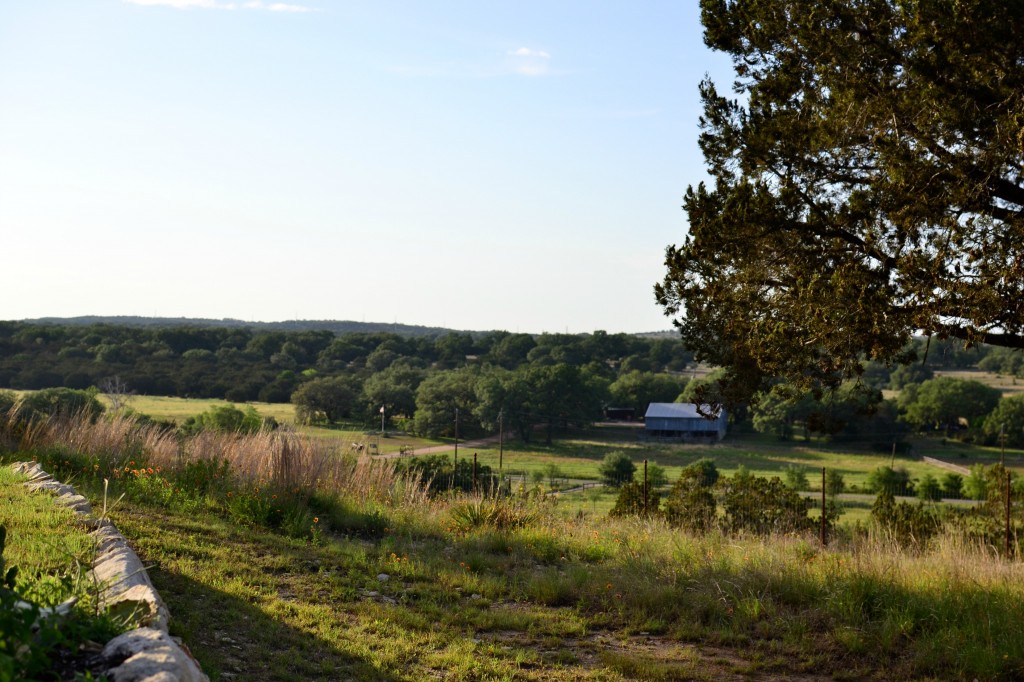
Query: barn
[682, 422]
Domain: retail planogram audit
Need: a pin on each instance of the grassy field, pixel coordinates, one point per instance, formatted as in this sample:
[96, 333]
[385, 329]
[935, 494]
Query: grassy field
[579, 454]
[286, 562]
[425, 592]
[1007, 383]
[180, 409]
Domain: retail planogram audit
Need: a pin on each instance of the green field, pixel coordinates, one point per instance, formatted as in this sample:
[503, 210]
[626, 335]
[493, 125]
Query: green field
[179, 409]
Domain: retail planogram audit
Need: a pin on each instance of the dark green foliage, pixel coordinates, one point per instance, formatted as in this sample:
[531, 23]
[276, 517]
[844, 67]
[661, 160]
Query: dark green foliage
[228, 419]
[763, 505]
[906, 523]
[637, 390]
[1005, 424]
[865, 185]
[846, 410]
[893, 481]
[795, 476]
[61, 402]
[656, 476]
[326, 400]
[913, 373]
[440, 475]
[942, 403]
[617, 469]
[704, 471]
[952, 486]
[834, 483]
[1003, 361]
[691, 504]
[632, 501]
[929, 489]
[440, 397]
[394, 389]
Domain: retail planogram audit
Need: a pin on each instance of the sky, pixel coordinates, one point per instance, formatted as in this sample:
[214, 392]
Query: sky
[471, 165]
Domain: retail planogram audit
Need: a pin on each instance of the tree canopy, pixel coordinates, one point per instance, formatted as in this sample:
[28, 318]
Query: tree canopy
[867, 184]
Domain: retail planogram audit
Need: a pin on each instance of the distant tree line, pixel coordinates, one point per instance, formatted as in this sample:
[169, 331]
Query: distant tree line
[953, 406]
[550, 379]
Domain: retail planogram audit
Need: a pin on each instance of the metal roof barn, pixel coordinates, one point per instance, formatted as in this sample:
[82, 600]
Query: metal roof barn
[682, 422]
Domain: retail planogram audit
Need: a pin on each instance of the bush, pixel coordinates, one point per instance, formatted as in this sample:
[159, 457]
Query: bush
[690, 504]
[705, 471]
[834, 482]
[228, 419]
[632, 501]
[617, 469]
[928, 489]
[887, 479]
[796, 477]
[61, 403]
[976, 485]
[906, 523]
[763, 506]
[952, 486]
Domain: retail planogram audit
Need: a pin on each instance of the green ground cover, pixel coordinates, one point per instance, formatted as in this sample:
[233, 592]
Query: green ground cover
[273, 576]
[437, 593]
[51, 552]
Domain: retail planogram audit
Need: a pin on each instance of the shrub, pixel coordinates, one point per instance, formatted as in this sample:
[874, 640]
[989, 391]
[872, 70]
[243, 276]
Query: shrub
[796, 477]
[928, 489]
[975, 485]
[228, 419]
[952, 485]
[762, 506]
[887, 479]
[834, 482]
[632, 501]
[501, 513]
[904, 522]
[617, 469]
[61, 403]
[705, 471]
[690, 504]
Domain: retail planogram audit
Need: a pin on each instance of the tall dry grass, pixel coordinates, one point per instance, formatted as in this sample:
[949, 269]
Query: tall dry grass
[279, 458]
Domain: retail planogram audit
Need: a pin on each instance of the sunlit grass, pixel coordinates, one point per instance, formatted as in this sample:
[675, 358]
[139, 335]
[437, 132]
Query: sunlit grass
[386, 583]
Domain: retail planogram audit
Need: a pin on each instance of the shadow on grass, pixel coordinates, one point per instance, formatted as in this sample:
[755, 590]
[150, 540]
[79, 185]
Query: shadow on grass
[252, 645]
[247, 603]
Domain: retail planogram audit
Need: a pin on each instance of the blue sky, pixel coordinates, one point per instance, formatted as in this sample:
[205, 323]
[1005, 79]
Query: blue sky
[475, 165]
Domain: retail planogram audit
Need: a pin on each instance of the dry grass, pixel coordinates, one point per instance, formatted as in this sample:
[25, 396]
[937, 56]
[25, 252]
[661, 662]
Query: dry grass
[284, 459]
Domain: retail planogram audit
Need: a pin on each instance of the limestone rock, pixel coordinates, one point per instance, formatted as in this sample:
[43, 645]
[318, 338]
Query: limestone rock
[149, 655]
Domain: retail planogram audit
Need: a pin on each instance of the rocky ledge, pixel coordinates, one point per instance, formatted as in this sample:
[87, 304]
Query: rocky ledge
[148, 653]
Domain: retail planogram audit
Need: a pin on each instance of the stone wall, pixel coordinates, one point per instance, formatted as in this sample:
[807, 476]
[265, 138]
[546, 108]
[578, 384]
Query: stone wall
[148, 653]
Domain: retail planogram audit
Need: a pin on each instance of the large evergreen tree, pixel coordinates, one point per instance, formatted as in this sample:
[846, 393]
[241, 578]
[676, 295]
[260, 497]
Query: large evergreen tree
[867, 185]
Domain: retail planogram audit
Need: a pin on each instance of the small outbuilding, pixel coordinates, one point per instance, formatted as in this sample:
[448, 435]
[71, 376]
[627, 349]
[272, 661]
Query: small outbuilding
[683, 423]
[620, 414]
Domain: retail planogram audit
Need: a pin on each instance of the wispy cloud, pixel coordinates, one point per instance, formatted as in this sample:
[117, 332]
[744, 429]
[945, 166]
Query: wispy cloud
[215, 4]
[529, 62]
[277, 7]
[523, 61]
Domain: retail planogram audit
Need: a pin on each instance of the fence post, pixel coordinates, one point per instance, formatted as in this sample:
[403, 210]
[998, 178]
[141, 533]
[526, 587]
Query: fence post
[474, 472]
[645, 487]
[823, 539]
[1007, 514]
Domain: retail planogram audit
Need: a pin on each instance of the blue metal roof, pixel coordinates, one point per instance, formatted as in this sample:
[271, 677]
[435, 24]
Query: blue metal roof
[673, 411]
